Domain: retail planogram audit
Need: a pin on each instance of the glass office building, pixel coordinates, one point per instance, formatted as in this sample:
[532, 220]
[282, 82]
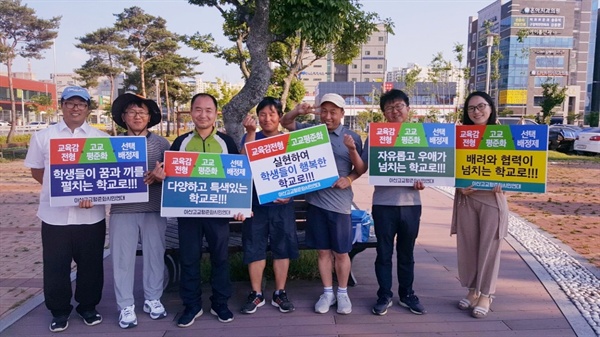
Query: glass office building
[516, 46]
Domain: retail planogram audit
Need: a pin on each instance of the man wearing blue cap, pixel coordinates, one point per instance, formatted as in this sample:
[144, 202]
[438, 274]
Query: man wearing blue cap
[69, 233]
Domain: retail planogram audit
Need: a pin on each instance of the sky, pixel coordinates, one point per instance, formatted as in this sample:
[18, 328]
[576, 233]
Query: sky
[422, 28]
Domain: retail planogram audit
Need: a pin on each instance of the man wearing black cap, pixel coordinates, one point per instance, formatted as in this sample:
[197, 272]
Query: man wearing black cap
[69, 233]
[141, 220]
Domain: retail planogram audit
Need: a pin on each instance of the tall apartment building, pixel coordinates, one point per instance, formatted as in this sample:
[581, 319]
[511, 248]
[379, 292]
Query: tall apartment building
[557, 46]
[368, 66]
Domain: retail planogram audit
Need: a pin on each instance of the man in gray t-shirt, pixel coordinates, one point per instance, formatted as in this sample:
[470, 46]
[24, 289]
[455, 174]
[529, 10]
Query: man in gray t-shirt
[328, 223]
[396, 214]
[141, 221]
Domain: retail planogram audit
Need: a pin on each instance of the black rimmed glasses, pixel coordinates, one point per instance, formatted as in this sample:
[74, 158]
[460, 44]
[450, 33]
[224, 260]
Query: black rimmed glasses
[72, 105]
[133, 113]
[479, 107]
[392, 108]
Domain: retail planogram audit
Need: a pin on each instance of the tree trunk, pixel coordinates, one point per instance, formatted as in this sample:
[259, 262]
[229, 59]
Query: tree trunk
[294, 70]
[256, 86]
[143, 77]
[112, 99]
[168, 107]
[13, 105]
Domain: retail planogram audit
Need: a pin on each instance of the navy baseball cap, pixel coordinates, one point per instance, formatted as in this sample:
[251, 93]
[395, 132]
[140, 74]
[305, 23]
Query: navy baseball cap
[75, 91]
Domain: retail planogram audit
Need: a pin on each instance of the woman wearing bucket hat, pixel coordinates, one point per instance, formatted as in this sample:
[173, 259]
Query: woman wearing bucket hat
[128, 222]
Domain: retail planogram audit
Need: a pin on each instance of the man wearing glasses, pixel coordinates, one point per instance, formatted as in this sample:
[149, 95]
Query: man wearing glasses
[139, 222]
[396, 214]
[69, 233]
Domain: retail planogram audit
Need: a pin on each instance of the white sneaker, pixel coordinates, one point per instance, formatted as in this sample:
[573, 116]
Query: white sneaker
[127, 318]
[324, 302]
[344, 306]
[155, 309]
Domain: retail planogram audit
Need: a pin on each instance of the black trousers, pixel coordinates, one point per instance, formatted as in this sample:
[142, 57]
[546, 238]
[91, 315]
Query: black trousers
[83, 244]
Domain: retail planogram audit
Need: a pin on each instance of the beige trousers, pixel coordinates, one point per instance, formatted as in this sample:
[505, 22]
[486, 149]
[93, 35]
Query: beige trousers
[478, 245]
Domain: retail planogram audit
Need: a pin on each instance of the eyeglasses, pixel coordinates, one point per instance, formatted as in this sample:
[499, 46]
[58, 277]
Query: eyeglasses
[397, 107]
[479, 107]
[71, 105]
[133, 113]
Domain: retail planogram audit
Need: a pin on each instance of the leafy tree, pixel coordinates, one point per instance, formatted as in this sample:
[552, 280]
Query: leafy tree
[276, 89]
[42, 103]
[146, 35]
[22, 34]
[410, 81]
[105, 48]
[255, 15]
[254, 25]
[170, 67]
[552, 96]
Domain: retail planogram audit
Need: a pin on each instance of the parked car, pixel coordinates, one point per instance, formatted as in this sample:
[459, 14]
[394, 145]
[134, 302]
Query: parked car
[515, 120]
[3, 123]
[588, 141]
[561, 137]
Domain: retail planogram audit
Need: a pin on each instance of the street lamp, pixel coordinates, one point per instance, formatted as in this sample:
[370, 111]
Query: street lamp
[489, 43]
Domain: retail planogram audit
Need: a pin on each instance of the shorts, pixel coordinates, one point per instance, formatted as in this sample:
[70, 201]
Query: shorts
[328, 230]
[274, 225]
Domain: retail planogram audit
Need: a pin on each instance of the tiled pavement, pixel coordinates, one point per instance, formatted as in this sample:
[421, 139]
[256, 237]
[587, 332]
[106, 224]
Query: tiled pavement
[523, 307]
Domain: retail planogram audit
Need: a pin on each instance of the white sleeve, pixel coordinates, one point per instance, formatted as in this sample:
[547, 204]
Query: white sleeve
[35, 153]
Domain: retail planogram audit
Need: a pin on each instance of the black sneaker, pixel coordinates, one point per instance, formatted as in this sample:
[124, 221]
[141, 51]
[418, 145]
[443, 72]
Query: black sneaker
[281, 301]
[189, 316]
[412, 303]
[222, 312]
[254, 302]
[380, 308]
[59, 323]
[91, 317]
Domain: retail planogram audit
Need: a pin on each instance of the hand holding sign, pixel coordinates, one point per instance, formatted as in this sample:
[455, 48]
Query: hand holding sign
[156, 175]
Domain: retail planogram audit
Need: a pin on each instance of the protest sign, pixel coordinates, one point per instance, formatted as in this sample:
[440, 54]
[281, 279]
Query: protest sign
[202, 184]
[402, 153]
[292, 163]
[514, 156]
[104, 170]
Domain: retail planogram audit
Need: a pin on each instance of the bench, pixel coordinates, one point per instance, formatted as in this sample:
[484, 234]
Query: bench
[172, 270]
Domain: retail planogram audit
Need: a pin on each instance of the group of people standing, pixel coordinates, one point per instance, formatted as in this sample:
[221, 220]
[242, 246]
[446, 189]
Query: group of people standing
[78, 233]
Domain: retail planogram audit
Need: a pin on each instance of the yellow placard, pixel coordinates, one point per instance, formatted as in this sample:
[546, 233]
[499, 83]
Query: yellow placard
[502, 165]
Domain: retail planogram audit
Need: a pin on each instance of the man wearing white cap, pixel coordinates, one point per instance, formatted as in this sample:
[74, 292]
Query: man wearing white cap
[69, 233]
[329, 226]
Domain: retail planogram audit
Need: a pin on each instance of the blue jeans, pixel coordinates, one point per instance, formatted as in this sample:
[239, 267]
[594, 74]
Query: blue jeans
[191, 232]
[401, 222]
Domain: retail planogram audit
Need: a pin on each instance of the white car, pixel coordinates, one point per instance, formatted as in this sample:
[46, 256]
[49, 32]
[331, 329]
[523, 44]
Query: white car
[3, 123]
[588, 141]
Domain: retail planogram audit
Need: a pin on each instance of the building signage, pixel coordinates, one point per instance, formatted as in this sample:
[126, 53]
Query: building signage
[540, 10]
[548, 52]
[548, 73]
[552, 22]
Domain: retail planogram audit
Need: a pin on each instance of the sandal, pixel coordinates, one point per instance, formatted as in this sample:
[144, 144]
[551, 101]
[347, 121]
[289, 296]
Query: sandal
[481, 312]
[466, 303]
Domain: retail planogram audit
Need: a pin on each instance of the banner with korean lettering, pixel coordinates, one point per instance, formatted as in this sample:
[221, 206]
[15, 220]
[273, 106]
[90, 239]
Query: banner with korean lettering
[292, 163]
[402, 153]
[106, 170]
[209, 185]
[514, 156]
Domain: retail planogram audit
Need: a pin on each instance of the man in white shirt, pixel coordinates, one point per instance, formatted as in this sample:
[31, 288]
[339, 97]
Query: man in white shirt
[69, 233]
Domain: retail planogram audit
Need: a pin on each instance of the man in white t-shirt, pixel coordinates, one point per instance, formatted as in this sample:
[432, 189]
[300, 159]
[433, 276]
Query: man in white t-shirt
[69, 233]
